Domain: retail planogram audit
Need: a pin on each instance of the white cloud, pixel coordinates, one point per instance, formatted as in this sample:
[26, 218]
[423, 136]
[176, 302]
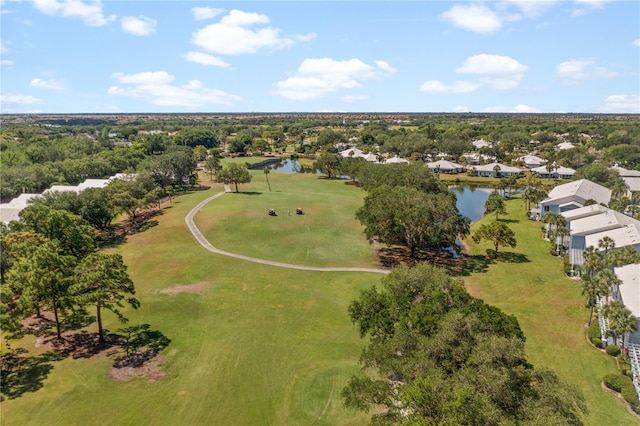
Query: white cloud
[438, 87]
[316, 78]
[5, 46]
[574, 72]
[461, 108]
[6, 63]
[490, 64]
[499, 72]
[521, 108]
[532, 8]
[91, 13]
[495, 71]
[586, 6]
[19, 99]
[636, 42]
[354, 98]
[629, 104]
[154, 87]
[205, 59]
[140, 26]
[233, 35]
[46, 84]
[202, 13]
[473, 17]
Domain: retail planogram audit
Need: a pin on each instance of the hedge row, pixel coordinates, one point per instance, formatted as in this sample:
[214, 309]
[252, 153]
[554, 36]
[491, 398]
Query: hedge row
[624, 386]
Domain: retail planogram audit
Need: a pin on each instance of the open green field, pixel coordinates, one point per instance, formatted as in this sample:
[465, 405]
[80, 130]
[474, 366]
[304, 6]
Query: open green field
[550, 309]
[259, 345]
[326, 235]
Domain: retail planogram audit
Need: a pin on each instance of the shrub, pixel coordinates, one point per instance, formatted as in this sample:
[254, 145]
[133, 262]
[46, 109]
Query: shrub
[629, 394]
[492, 254]
[613, 350]
[593, 331]
[614, 382]
[595, 341]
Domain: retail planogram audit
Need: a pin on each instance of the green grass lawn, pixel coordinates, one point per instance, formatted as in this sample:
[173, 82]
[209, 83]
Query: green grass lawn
[261, 345]
[326, 235]
[551, 312]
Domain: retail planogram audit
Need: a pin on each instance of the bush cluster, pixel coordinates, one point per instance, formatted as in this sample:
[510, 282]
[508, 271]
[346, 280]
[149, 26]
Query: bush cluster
[613, 350]
[593, 332]
[624, 386]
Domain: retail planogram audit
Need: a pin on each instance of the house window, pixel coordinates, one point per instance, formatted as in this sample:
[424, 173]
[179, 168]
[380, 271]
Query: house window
[546, 208]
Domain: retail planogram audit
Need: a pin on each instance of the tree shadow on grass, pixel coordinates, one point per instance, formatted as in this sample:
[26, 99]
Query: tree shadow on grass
[141, 344]
[22, 373]
[510, 257]
[246, 193]
[475, 264]
[510, 220]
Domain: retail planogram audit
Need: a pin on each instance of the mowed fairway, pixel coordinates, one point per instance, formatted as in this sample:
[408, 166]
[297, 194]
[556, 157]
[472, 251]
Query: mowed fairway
[551, 312]
[327, 234]
[255, 345]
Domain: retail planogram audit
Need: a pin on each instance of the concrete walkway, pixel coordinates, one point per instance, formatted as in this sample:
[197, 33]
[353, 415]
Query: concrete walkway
[207, 245]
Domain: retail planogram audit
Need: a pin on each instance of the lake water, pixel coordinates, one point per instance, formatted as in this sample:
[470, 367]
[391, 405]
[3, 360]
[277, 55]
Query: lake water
[470, 199]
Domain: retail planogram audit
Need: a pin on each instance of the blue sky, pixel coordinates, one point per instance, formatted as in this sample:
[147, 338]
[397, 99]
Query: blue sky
[73, 56]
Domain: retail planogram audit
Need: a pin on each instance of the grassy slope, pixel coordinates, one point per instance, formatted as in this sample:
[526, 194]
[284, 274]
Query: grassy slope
[261, 345]
[552, 315]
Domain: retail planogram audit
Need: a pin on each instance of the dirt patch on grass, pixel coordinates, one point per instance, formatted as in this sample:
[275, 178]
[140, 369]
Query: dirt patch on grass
[197, 288]
[149, 369]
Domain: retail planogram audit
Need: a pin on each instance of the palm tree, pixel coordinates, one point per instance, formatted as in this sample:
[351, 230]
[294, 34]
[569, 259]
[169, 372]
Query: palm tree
[593, 289]
[559, 234]
[497, 169]
[554, 219]
[623, 256]
[621, 320]
[610, 281]
[606, 243]
[592, 261]
[266, 175]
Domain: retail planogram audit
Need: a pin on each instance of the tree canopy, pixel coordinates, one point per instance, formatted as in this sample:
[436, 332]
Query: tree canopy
[443, 357]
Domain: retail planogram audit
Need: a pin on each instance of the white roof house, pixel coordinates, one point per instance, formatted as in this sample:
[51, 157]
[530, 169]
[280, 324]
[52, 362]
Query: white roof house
[556, 172]
[630, 177]
[444, 166]
[588, 225]
[565, 145]
[573, 195]
[352, 152]
[625, 172]
[503, 170]
[395, 160]
[10, 211]
[532, 161]
[94, 183]
[480, 143]
[62, 188]
[607, 219]
[593, 209]
[630, 288]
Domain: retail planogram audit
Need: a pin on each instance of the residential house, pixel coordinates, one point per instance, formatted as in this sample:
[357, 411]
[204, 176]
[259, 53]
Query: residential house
[532, 161]
[556, 172]
[497, 170]
[573, 195]
[444, 166]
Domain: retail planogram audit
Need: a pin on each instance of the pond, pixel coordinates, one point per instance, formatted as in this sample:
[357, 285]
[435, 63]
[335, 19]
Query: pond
[292, 166]
[470, 200]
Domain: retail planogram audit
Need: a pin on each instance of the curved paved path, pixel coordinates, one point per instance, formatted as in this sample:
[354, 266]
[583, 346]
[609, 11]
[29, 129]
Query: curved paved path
[207, 245]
